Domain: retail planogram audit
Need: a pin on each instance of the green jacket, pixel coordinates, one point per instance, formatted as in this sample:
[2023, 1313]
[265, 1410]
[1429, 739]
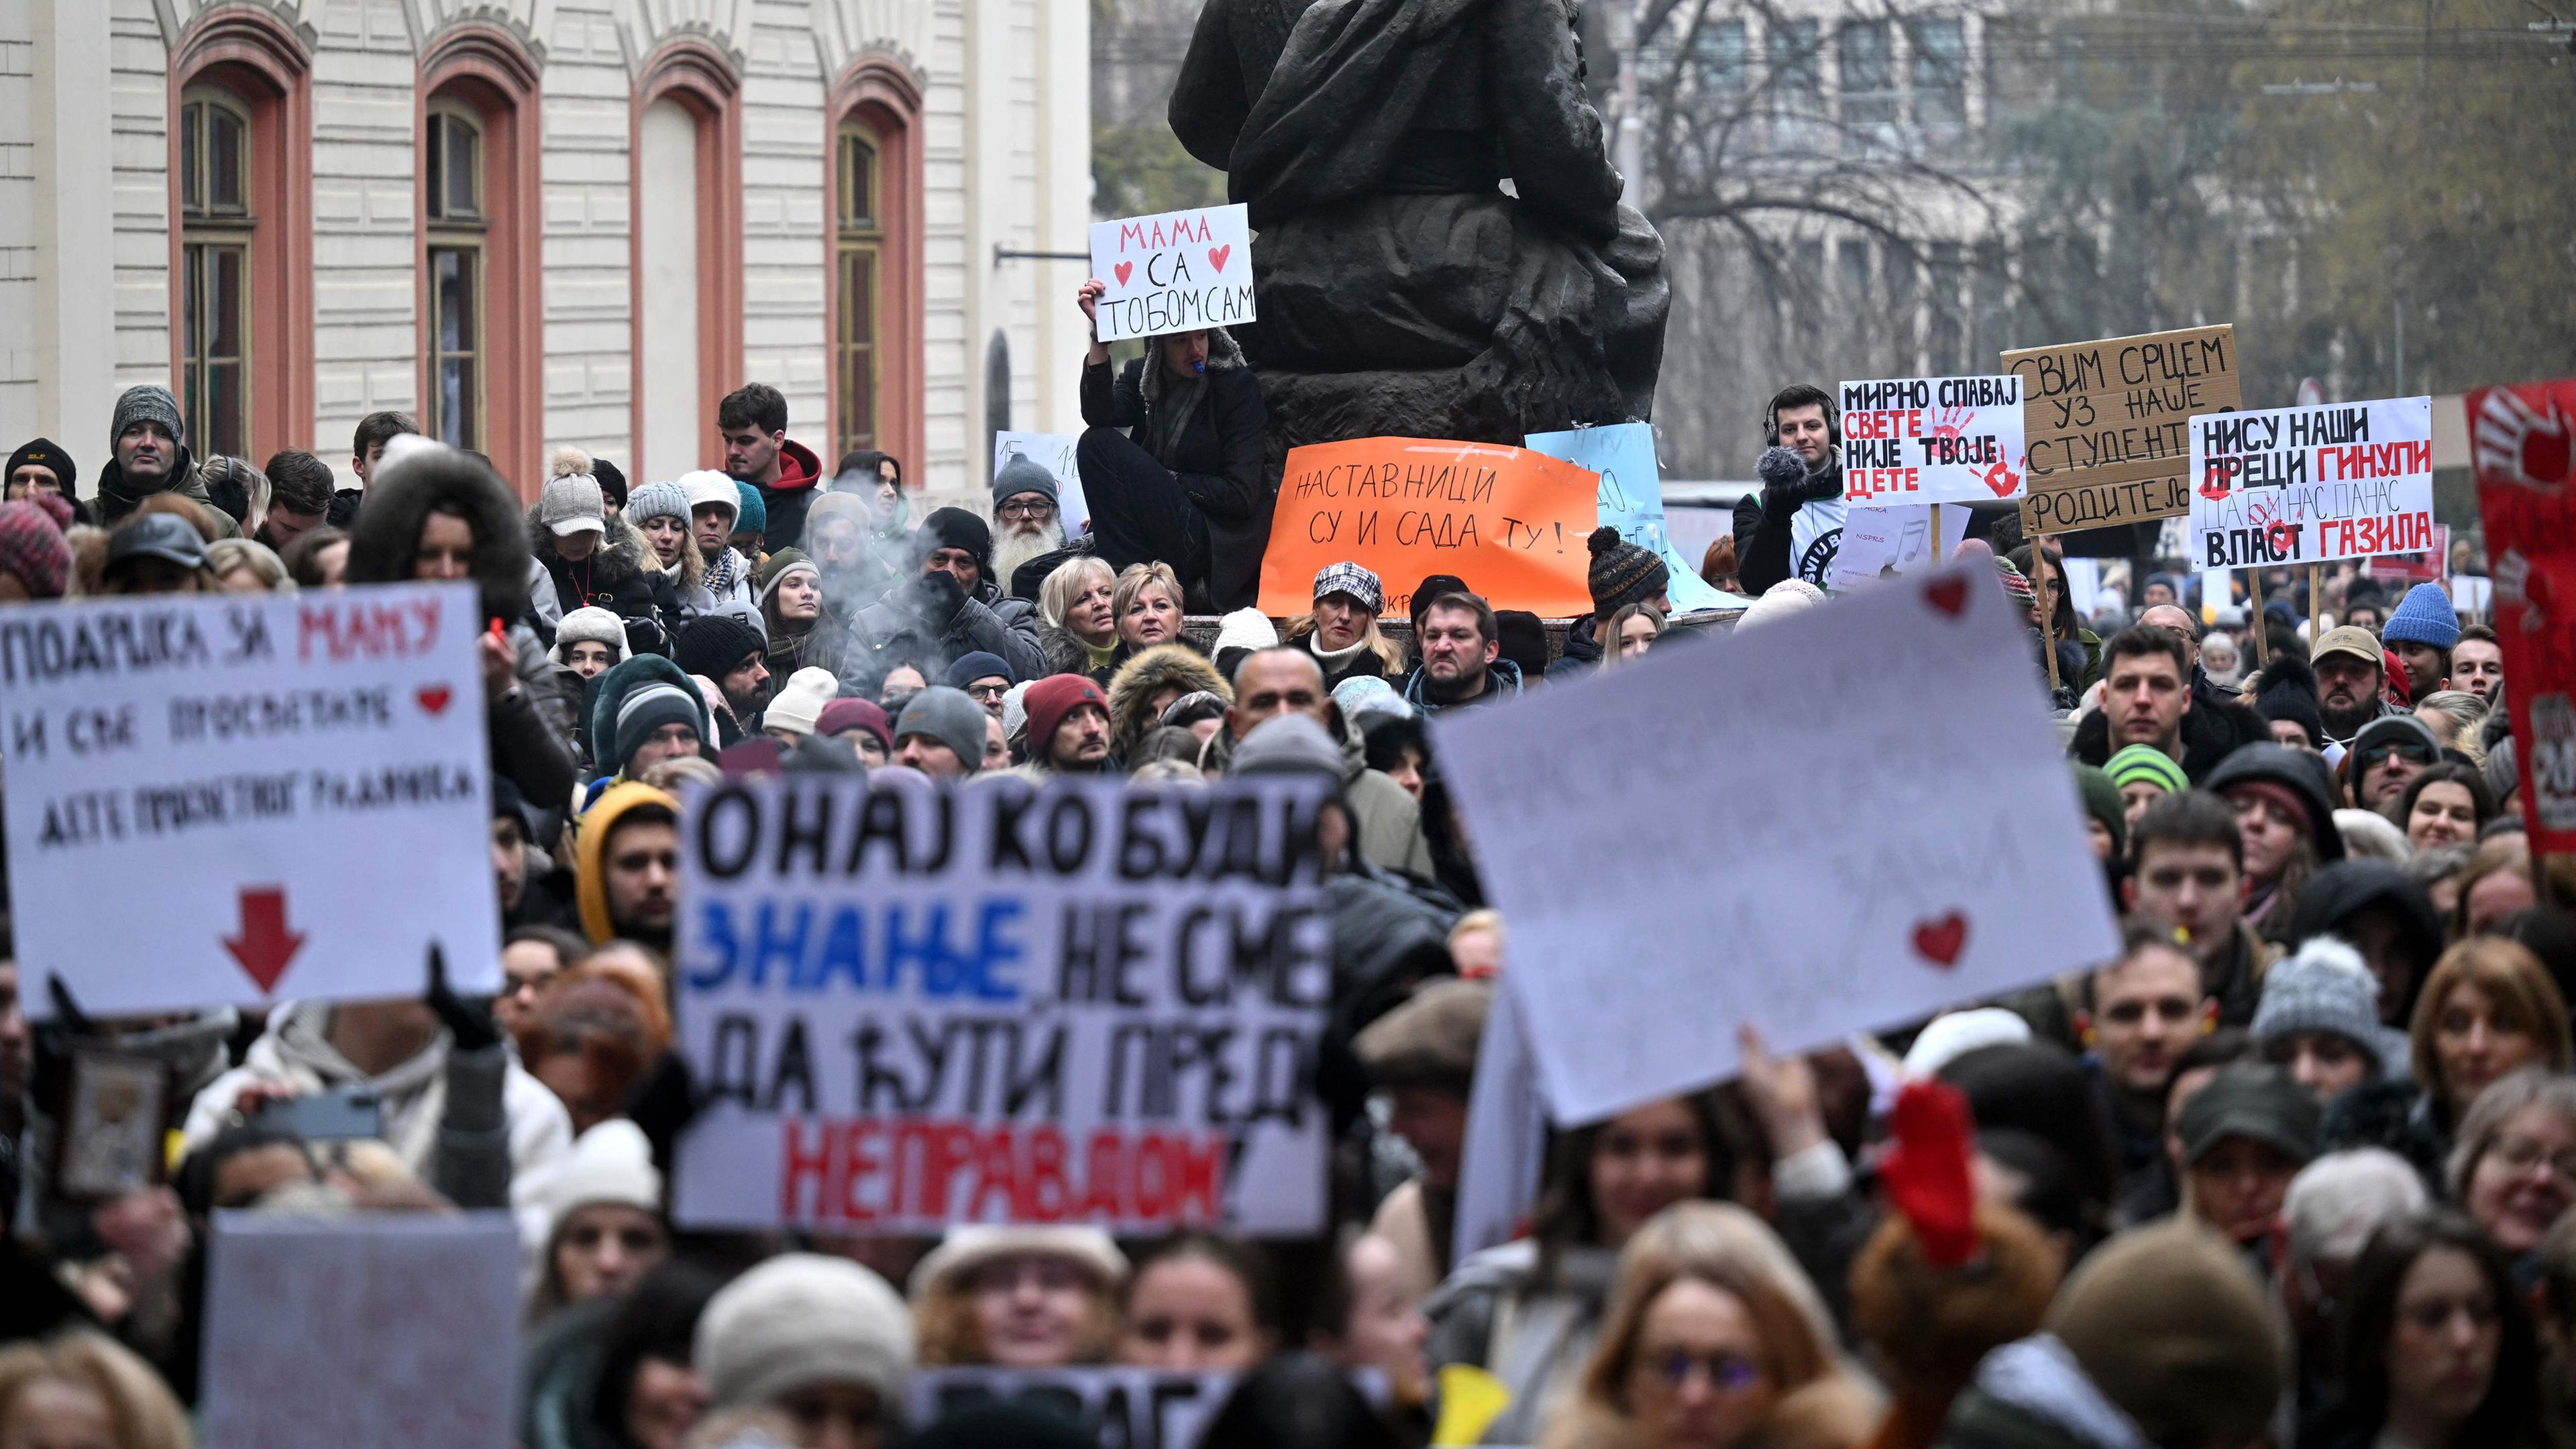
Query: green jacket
[117, 499]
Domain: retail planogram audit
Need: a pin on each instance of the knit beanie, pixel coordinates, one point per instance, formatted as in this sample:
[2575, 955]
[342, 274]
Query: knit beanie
[1049, 700]
[2424, 616]
[1288, 744]
[610, 1163]
[1787, 597]
[981, 664]
[799, 1320]
[2396, 729]
[957, 528]
[145, 403]
[33, 548]
[1621, 573]
[2136, 763]
[615, 731]
[1023, 474]
[798, 705]
[775, 569]
[571, 504]
[1432, 587]
[707, 487]
[2291, 775]
[2102, 802]
[2170, 1324]
[44, 453]
[2503, 777]
[1523, 641]
[754, 514]
[591, 624]
[2016, 584]
[950, 716]
[2328, 987]
[1244, 629]
[1429, 1041]
[657, 500]
[612, 482]
[714, 645]
[1364, 697]
[2289, 692]
[856, 714]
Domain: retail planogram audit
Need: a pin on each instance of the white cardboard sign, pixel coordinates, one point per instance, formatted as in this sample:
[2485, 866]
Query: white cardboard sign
[1906, 838]
[1880, 543]
[2300, 485]
[1932, 440]
[1053, 452]
[234, 799]
[1176, 272]
[910, 1008]
[392, 1330]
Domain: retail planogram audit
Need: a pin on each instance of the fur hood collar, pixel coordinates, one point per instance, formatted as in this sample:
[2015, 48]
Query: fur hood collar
[1224, 355]
[429, 477]
[1154, 669]
[618, 560]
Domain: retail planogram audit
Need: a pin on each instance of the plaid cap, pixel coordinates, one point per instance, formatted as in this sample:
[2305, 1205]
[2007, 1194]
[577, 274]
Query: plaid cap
[1351, 579]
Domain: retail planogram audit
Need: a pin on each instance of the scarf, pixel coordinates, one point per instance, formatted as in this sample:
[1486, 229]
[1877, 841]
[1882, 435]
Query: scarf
[1175, 402]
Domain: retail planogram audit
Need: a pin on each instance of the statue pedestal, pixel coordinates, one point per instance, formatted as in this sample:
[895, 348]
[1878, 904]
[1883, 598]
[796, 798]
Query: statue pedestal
[1453, 402]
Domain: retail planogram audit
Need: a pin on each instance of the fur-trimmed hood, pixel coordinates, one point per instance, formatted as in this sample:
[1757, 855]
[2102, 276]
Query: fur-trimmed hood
[1137, 680]
[429, 477]
[617, 561]
[1224, 355]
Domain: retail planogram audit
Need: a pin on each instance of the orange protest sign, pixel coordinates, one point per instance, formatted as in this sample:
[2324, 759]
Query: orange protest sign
[1509, 521]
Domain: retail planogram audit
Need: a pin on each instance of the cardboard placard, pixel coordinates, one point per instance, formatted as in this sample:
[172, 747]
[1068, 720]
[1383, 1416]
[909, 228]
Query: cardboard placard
[1053, 452]
[393, 1330]
[2520, 444]
[297, 785]
[2107, 423]
[1928, 850]
[1175, 272]
[1911, 440]
[1510, 521]
[1880, 543]
[1119, 1408]
[912, 1007]
[2303, 485]
[1630, 498]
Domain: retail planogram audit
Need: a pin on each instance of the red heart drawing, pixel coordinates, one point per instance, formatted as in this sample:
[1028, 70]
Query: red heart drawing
[1941, 941]
[433, 697]
[1948, 595]
[1217, 256]
[1125, 270]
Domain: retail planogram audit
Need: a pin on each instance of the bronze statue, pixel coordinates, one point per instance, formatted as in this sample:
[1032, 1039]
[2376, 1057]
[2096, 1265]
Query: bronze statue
[1440, 247]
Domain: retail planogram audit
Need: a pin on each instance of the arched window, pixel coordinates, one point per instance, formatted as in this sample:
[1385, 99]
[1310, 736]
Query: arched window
[218, 229]
[241, 234]
[875, 302]
[454, 228]
[686, 215]
[481, 349]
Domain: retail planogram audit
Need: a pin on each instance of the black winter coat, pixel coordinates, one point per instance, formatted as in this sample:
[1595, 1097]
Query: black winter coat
[1218, 459]
[2216, 724]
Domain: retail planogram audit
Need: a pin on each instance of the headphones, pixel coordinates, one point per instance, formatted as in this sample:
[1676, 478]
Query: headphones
[1771, 422]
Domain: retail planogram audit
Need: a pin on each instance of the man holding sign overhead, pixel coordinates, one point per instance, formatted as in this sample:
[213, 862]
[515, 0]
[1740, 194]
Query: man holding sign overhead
[1172, 448]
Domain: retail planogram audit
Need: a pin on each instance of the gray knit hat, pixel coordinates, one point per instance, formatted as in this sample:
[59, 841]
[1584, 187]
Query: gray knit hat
[1288, 744]
[2327, 987]
[799, 1320]
[572, 504]
[657, 500]
[146, 403]
[1022, 474]
[950, 716]
[592, 624]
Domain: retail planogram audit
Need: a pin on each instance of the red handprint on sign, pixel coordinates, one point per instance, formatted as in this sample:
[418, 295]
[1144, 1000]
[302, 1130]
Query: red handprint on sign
[1951, 422]
[2000, 477]
[2518, 445]
[2215, 478]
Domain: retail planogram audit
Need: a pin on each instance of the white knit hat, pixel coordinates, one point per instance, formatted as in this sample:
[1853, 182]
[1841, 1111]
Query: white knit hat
[799, 702]
[1244, 629]
[1787, 597]
[1955, 1034]
[803, 1319]
[610, 1163]
[971, 1246]
[591, 624]
[706, 486]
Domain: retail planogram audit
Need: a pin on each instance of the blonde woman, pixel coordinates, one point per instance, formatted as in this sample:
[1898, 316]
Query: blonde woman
[84, 1388]
[1147, 605]
[1019, 1297]
[1712, 1332]
[245, 566]
[1341, 632]
[1078, 617]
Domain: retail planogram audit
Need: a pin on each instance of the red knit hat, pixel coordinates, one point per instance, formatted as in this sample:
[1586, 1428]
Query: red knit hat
[1049, 700]
[32, 547]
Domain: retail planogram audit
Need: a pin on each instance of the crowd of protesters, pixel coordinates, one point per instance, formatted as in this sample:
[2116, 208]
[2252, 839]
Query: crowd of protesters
[2293, 1167]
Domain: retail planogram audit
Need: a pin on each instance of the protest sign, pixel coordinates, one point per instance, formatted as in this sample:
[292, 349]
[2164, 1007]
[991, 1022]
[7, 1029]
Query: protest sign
[1630, 498]
[2107, 423]
[1505, 1148]
[1883, 542]
[393, 1330]
[2301, 485]
[1931, 440]
[1510, 521]
[2527, 495]
[1926, 850]
[2417, 568]
[255, 764]
[1053, 452]
[1176, 272]
[911, 1008]
[1117, 1408]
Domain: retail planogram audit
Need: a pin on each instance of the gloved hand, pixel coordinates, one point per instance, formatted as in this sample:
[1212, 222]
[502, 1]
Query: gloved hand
[1784, 481]
[938, 596]
[469, 1023]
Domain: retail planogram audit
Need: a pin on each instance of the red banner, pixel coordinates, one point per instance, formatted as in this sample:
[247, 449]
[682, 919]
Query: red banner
[2520, 441]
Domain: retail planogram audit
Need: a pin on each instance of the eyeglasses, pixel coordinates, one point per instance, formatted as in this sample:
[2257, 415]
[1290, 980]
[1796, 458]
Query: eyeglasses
[1028, 510]
[2412, 752]
[2522, 1155]
[988, 691]
[1728, 1373]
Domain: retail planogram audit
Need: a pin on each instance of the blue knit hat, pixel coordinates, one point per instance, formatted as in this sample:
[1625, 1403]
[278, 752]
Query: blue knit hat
[754, 517]
[657, 500]
[2423, 617]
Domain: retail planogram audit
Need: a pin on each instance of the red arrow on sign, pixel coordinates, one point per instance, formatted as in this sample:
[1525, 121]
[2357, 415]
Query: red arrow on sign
[265, 945]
